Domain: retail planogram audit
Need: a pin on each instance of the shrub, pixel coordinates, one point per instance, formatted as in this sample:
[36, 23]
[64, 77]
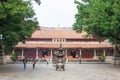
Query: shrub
[14, 56]
[101, 56]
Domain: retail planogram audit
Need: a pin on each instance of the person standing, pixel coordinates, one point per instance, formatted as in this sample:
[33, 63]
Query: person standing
[24, 62]
[47, 60]
[34, 62]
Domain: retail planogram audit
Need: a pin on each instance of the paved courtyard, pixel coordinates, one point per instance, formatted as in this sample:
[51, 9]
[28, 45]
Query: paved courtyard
[48, 72]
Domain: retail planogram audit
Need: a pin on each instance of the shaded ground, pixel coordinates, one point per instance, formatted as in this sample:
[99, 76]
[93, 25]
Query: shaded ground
[47, 72]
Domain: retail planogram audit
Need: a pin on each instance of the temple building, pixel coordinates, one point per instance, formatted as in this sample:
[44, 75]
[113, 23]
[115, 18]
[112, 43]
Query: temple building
[44, 42]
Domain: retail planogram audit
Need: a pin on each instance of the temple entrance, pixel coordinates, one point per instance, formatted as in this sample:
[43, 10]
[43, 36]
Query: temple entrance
[44, 53]
[30, 53]
[87, 53]
[73, 53]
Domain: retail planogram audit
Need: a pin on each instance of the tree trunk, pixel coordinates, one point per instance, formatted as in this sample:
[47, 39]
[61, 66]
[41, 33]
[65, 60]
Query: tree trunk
[117, 54]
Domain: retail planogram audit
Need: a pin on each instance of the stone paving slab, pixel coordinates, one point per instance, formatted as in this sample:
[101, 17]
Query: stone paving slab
[48, 72]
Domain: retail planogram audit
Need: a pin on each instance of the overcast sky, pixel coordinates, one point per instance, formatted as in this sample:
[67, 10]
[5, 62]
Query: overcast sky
[56, 13]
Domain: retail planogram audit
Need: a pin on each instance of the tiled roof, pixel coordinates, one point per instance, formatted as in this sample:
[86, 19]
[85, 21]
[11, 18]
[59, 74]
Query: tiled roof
[64, 45]
[61, 34]
[57, 33]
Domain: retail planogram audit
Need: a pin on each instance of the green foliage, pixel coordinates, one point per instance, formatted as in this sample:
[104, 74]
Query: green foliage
[99, 18]
[101, 56]
[117, 51]
[17, 21]
[14, 56]
[38, 1]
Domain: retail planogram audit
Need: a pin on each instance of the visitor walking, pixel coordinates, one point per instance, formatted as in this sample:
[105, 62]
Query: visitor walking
[34, 62]
[24, 62]
[47, 60]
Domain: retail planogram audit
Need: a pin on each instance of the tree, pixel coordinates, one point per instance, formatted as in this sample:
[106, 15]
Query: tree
[99, 18]
[38, 1]
[17, 21]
